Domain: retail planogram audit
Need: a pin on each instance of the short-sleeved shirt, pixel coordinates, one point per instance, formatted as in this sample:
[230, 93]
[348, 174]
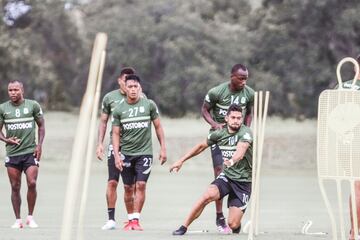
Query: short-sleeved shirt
[110, 101]
[20, 122]
[135, 123]
[221, 97]
[241, 171]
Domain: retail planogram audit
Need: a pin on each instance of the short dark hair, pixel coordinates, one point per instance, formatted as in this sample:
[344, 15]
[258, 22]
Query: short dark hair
[238, 66]
[233, 108]
[127, 70]
[132, 77]
[16, 81]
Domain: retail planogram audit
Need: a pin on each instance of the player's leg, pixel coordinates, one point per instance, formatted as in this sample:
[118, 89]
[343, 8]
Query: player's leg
[237, 202]
[142, 169]
[14, 174]
[128, 178]
[211, 194]
[357, 198]
[218, 167]
[111, 191]
[31, 173]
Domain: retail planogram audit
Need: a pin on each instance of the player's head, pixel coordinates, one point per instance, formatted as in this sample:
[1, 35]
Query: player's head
[132, 86]
[239, 76]
[123, 73]
[16, 91]
[233, 117]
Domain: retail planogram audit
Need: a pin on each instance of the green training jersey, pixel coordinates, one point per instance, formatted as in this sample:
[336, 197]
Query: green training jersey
[348, 84]
[19, 122]
[110, 101]
[221, 97]
[241, 171]
[135, 123]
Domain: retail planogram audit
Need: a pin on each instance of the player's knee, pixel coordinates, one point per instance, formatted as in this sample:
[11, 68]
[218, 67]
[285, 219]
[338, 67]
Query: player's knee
[129, 189]
[141, 186]
[210, 195]
[15, 186]
[233, 224]
[32, 184]
[112, 184]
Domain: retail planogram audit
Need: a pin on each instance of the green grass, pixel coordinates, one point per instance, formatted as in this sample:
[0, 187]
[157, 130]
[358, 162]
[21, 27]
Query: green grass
[288, 143]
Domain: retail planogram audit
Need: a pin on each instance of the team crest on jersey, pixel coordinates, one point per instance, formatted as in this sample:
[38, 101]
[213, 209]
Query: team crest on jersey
[141, 109]
[26, 110]
[247, 136]
[243, 100]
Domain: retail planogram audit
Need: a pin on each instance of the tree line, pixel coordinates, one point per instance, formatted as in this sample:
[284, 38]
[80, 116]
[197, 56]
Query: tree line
[183, 48]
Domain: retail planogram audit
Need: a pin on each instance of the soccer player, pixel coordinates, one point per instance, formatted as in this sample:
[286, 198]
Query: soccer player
[110, 101]
[214, 109]
[235, 143]
[19, 116]
[132, 131]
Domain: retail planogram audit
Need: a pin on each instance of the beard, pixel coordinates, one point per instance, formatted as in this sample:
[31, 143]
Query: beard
[234, 127]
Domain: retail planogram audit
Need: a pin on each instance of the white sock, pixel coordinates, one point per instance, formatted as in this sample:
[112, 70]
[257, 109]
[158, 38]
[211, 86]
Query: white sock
[136, 215]
[130, 216]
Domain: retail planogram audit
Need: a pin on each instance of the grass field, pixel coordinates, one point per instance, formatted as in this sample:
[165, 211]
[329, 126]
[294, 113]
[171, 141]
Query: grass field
[289, 191]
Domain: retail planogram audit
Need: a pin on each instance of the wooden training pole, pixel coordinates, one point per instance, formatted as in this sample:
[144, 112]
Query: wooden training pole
[80, 145]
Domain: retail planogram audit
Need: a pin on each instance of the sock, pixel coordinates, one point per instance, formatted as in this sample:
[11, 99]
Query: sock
[136, 215]
[130, 216]
[183, 228]
[111, 213]
[219, 215]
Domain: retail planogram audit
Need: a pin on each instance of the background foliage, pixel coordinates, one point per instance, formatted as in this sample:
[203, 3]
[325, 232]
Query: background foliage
[183, 48]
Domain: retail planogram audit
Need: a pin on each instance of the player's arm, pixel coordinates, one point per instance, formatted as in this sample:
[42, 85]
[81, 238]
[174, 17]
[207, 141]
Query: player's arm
[40, 122]
[161, 137]
[11, 140]
[239, 154]
[205, 112]
[248, 116]
[116, 146]
[196, 150]
[101, 134]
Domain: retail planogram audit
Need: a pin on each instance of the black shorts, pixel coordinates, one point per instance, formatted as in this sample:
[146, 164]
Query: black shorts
[216, 156]
[114, 173]
[21, 162]
[136, 168]
[239, 192]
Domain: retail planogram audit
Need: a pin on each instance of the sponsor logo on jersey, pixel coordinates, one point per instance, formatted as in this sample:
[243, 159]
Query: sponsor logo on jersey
[19, 126]
[135, 125]
[26, 110]
[227, 153]
[222, 112]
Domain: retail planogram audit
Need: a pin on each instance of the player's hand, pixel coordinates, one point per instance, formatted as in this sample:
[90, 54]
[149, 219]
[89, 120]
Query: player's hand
[176, 166]
[37, 152]
[162, 157]
[13, 141]
[119, 163]
[100, 152]
[218, 126]
[228, 162]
